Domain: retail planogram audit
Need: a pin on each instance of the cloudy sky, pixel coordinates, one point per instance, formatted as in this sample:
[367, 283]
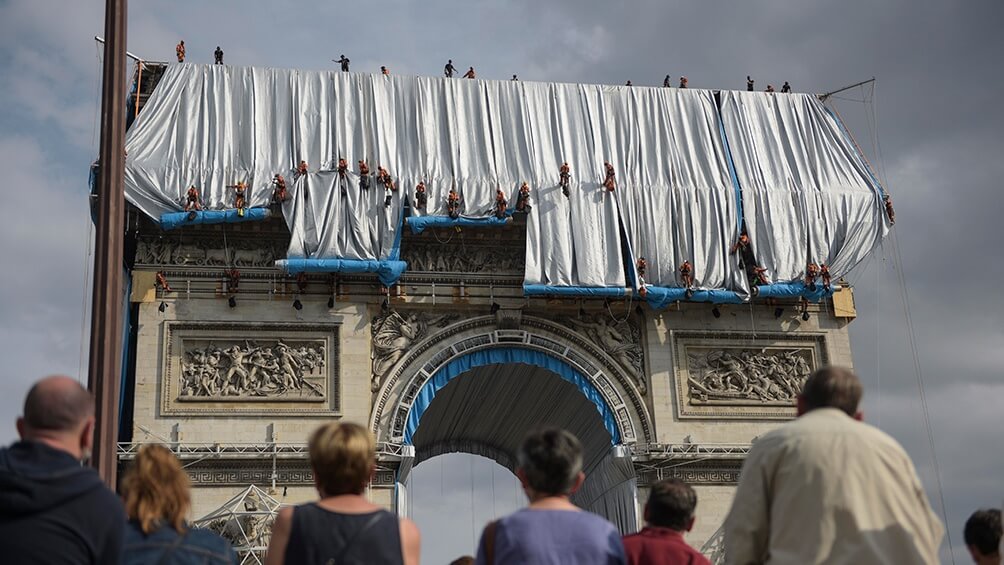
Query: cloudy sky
[933, 130]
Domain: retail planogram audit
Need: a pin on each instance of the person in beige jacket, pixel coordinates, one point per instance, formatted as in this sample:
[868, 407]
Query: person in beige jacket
[828, 488]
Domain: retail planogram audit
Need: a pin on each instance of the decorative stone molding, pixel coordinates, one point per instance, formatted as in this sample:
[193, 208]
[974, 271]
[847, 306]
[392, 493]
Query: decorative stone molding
[702, 474]
[259, 472]
[620, 339]
[415, 367]
[249, 369]
[476, 258]
[743, 376]
[213, 251]
[393, 335]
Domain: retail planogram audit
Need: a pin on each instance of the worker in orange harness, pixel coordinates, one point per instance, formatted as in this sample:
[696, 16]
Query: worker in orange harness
[610, 183]
[453, 204]
[301, 170]
[384, 71]
[233, 278]
[469, 73]
[761, 275]
[279, 194]
[420, 196]
[824, 273]
[193, 202]
[683, 82]
[566, 176]
[523, 198]
[742, 244]
[384, 178]
[240, 191]
[343, 167]
[364, 175]
[642, 266]
[500, 204]
[162, 282]
[770, 88]
[888, 208]
[179, 50]
[811, 274]
[687, 277]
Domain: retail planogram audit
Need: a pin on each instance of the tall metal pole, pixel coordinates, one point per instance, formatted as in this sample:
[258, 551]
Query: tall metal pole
[105, 365]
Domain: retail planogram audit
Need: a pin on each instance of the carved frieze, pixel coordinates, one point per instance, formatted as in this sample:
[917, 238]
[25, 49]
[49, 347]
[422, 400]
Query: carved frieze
[621, 339]
[237, 252]
[472, 259]
[736, 376]
[249, 368]
[393, 335]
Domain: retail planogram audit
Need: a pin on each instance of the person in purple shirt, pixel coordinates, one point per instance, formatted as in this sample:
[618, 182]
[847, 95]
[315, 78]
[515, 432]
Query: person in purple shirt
[551, 530]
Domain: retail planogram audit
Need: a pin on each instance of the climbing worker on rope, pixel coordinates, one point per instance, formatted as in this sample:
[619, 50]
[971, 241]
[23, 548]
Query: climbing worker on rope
[500, 204]
[342, 168]
[566, 176]
[384, 178]
[761, 275]
[162, 282]
[420, 196]
[364, 175]
[742, 244]
[687, 277]
[179, 50]
[193, 202]
[642, 266]
[453, 204]
[449, 69]
[240, 190]
[824, 273]
[469, 73]
[888, 208]
[523, 198]
[301, 170]
[609, 182]
[279, 194]
[811, 274]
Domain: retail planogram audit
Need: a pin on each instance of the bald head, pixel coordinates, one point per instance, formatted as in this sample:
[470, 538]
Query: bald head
[57, 404]
[832, 387]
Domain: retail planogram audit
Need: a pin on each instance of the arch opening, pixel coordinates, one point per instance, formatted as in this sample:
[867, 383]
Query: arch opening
[485, 402]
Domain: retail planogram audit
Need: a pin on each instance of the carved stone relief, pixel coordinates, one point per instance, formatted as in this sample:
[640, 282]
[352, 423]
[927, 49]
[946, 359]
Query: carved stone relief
[476, 259]
[209, 253]
[619, 339]
[394, 333]
[735, 376]
[249, 368]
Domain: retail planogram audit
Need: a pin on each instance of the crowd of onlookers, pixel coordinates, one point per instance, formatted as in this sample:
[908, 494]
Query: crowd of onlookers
[825, 488]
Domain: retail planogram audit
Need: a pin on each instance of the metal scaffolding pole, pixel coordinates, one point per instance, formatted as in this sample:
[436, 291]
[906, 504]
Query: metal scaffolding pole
[105, 364]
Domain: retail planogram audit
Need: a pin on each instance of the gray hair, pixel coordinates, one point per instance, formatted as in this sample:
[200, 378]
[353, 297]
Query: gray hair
[551, 460]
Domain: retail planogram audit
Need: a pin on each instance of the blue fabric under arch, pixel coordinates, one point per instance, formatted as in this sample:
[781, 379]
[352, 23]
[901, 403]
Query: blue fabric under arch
[501, 356]
[174, 220]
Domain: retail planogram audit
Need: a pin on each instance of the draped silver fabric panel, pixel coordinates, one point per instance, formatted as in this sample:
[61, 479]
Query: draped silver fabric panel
[675, 191]
[807, 194]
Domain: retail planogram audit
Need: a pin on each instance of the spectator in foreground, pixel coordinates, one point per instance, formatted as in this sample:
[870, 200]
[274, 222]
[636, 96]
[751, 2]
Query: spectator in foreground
[983, 536]
[51, 507]
[551, 529]
[828, 488]
[157, 499]
[669, 513]
[343, 527]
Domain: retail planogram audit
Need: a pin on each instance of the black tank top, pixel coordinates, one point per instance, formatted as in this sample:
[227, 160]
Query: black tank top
[324, 537]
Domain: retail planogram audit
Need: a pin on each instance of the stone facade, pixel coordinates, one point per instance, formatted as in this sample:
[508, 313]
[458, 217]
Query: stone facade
[236, 390]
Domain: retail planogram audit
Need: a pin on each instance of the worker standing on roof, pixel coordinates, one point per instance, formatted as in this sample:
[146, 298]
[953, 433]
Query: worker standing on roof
[665, 82]
[449, 69]
[469, 73]
[218, 54]
[770, 88]
[515, 78]
[344, 62]
[683, 82]
[749, 83]
[786, 88]
[384, 70]
[179, 50]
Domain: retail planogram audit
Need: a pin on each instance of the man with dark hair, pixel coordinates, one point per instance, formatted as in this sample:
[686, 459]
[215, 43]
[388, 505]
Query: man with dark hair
[551, 529]
[983, 536]
[669, 513]
[828, 488]
[52, 509]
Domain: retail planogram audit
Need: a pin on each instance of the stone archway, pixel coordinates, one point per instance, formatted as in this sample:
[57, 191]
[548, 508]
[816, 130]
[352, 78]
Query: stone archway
[561, 364]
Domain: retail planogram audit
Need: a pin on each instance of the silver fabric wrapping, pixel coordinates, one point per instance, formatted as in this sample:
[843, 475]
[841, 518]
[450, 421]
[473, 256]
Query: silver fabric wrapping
[807, 194]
